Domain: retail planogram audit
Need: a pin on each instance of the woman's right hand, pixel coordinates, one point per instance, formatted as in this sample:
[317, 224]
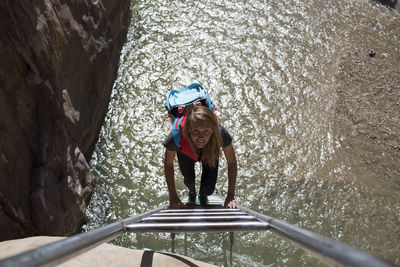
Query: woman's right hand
[176, 203]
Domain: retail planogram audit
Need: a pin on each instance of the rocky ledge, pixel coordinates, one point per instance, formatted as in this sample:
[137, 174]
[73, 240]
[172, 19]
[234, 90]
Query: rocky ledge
[103, 255]
[58, 64]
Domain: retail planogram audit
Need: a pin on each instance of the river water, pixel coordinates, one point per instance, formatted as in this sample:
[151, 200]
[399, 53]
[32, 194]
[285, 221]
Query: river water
[269, 66]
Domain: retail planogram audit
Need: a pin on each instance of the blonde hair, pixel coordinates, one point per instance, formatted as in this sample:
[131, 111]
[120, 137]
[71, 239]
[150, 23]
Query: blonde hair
[212, 148]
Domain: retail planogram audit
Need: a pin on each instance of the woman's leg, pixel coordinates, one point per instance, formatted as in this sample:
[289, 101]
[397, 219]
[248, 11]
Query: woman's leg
[208, 179]
[186, 165]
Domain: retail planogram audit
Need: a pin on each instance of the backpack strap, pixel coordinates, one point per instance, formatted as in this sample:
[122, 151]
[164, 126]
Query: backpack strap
[176, 130]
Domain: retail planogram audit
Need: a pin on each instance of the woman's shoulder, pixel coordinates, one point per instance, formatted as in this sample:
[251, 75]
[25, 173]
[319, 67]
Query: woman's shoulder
[169, 142]
[226, 136]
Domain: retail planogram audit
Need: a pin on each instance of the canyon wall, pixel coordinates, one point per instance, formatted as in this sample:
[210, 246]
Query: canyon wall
[58, 62]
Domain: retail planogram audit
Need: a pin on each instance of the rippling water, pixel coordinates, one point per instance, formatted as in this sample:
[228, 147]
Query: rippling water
[269, 67]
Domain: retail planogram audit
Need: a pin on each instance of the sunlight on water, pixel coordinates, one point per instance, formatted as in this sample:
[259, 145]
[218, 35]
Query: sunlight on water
[267, 67]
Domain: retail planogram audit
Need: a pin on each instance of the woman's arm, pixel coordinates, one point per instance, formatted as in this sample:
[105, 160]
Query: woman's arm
[232, 173]
[174, 201]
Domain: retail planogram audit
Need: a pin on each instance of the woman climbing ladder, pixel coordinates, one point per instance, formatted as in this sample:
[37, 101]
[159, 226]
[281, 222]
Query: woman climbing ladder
[199, 137]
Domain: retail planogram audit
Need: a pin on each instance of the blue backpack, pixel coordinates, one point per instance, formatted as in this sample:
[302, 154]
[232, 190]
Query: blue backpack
[177, 100]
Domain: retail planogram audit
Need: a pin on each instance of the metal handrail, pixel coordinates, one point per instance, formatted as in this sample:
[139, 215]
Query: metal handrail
[63, 250]
[327, 250]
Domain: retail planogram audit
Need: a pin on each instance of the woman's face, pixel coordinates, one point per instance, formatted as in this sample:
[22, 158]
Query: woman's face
[200, 132]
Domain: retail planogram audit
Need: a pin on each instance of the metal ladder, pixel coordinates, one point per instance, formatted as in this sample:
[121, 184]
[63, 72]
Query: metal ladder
[212, 218]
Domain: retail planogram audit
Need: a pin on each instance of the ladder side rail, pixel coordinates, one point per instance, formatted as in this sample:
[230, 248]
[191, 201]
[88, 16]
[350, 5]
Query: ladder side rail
[60, 251]
[327, 250]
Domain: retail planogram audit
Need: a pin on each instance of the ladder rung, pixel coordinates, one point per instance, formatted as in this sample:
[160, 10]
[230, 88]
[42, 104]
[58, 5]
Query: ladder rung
[197, 210]
[198, 227]
[199, 214]
[198, 218]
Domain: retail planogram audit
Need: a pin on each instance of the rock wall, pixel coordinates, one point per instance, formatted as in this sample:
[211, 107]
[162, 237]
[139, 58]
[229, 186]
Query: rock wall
[58, 62]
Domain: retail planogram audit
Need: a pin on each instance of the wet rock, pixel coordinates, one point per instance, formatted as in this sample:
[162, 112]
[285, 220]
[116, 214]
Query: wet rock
[372, 52]
[58, 64]
[388, 3]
